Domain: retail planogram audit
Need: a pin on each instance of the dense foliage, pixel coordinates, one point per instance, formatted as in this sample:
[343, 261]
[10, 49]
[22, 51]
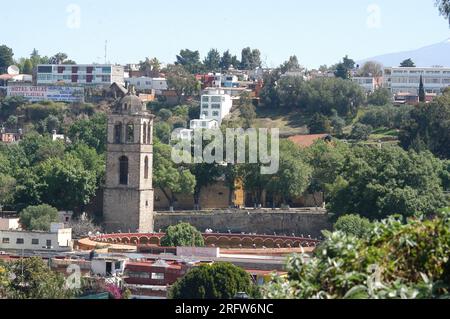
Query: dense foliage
[182, 235]
[429, 127]
[31, 278]
[378, 182]
[216, 281]
[353, 225]
[395, 260]
[38, 218]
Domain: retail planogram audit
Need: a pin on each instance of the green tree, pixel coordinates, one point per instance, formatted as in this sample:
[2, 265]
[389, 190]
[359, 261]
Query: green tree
[7, 187]
[168, 177]
[90, 131]
[212, 61]
[227, 60]
[181, 81]
[408, 63]
[6, 58]
[422, 94]
[444, 7]
[59, 58]
[33, 279]
[294, 175]
[361, 132]
[38, 148]
[190, 60]
[216, 281]
[290, 65]
[353, 225]
[162, 132]
[247, 109]
[27, 67]
[429, 126]
[379, 182]
[182, 235]
[251, 59]
[319, 124]
[371, 69]
[380, 96]
[38, 218]
[342, 72]
[67, 184]
[10, 105]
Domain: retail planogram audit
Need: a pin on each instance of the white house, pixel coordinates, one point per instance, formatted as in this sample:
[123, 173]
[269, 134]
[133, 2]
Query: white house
[58, 239]
[108, 266]
[204, 124]
[215, 105]
[146, 83]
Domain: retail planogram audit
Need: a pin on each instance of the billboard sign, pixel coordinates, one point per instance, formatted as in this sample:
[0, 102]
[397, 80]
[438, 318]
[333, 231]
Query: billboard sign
[48, 93]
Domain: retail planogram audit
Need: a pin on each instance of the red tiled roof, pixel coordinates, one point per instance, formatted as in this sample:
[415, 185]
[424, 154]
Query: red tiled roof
[307, 140]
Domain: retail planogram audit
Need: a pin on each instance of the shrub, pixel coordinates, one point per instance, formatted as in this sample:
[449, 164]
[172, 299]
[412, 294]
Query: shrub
[217, 281]
[353, 225]
[396, 260]
[183, 234]
[38, 218]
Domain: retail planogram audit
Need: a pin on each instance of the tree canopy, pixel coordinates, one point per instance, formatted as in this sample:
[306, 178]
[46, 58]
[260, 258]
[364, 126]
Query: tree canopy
[216, 281]
[182, 235]
[38, 218]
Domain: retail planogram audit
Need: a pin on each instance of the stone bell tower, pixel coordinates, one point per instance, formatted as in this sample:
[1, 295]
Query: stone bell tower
[128, 196]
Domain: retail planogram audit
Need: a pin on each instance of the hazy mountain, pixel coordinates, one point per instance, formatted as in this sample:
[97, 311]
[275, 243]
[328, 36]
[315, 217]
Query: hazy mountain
[435, 54]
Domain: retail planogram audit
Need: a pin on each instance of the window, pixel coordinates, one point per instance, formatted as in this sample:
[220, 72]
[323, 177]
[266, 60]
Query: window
[149, 134]
[205, 99]
[20, 241]
[106, 70]
[146, 168]
[5, 241]
[157, 276]
[130, 133]
[34, 241]
[106, 78]
[205, 105]
[118, 133]
[215, 106]
[45, 69]
[216, 99]
[117, 265]
[123, 170]
[215, 113]
[48, 243]
[144, 138]
[205, 113]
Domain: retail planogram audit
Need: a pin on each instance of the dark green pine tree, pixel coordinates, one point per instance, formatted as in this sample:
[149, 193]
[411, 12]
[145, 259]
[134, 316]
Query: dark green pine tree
[422, 97]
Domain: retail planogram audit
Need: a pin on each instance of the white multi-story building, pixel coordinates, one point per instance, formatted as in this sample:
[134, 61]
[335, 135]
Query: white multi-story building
[80, 74]
[215, 105]
[58, 239]
[146, 83]
[407, 80]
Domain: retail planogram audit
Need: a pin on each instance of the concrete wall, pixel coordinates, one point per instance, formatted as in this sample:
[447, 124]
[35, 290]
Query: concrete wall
[260, 222]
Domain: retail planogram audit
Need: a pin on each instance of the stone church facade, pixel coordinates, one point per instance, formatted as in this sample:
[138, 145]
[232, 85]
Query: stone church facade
[128, 195]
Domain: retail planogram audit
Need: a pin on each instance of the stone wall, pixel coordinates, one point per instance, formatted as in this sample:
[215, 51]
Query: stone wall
[298, 222]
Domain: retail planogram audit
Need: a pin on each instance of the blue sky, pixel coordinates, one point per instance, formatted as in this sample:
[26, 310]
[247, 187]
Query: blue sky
[318, 32]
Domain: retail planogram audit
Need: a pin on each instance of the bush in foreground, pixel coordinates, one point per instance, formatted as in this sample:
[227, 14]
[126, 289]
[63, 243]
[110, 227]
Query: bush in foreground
[398, 260]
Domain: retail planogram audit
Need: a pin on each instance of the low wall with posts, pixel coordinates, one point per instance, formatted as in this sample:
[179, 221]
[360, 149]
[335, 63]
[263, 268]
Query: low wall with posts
[306, 222]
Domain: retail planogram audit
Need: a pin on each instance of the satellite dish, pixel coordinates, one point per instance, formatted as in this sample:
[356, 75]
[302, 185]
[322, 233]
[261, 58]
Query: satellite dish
[13, 70]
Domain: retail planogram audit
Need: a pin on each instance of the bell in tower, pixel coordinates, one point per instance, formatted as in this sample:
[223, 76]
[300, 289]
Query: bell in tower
[128, 196]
